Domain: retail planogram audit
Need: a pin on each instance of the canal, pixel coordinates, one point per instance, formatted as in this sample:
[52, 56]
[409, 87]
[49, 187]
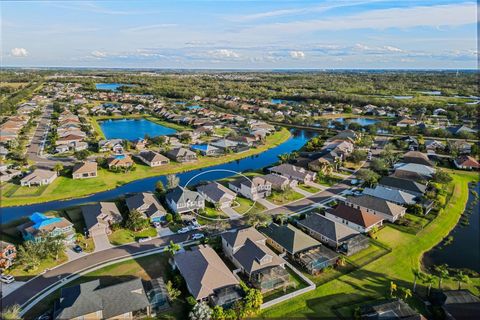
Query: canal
[264, 159]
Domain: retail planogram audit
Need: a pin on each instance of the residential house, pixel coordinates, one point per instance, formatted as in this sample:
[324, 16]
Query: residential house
[140, 144]
[391, 309]
[253, 188]
[406, 122]
[40, 226]
[207, 150]
[152, 158]
[425, 171]
[294, 172]
[89, 300]
[466, 162]
[84, 170]
[417, 157]
[207, 277]
[115, 145]
[411, 141]
[182, 200]
[462, 147]
[181, 155]
[393, 195]
[8, 253]
[280, 183]
[457, 304]
[407, 185]
[147, 204]
[247, 250]
[461, 129]
[378, 206]
[358, 219]
[347, 135]
[225, 144]
[9, 174]
[120, 161]
[299, 247]
[99, 217]
[433, 146]
[38, 177]
[215, 193]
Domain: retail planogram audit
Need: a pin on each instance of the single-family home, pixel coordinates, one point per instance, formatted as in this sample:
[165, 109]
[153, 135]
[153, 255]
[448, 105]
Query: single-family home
[207, 150]
[225, 144]
[9, 174]
[41, 225]
[407, 185]
[99, 217]
[120, 161]
[391, 309]
[347, 135]
[38, 177]
[457, 304]
[393, 195]
[433, 146]
[8, 253]
[147, 204]
[152, 158]
[461, 129]
[406, 122]
[461, 146]
[182, 200]
[84, 170]
[215, 193]
[466, 162]
[293, 172]
[280, 183]
[207, 277]
[252, 188]
[417, 157]
[358, 219]
[421, 169]
[247, 250]
[181, 155]
[378, 206]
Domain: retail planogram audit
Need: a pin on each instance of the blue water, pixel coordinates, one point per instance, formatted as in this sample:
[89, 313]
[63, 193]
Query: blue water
[131, 129]
[361, 121]
[269, 157]
[201, 147]
[194, 107]
[111, 86]
[280, 101]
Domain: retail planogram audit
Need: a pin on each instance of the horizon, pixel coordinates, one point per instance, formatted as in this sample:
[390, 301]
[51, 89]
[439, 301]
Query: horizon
[241, 35]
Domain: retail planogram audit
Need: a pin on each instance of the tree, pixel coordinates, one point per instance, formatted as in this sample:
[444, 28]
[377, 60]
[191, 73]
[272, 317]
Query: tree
[159, 187]
[172, 181]
[357, 156]
[406, 293]
[173, 248]
[416, 209]
[373, 231]
[460, 277]
[58, 167]
[258, 219]
[441, 176]
[27, 255]
[368, 176]
[379, 165]
[173, 293]
[169, 217]
[417, 275]
[341, 261]
[389, 155]
[282, 218]
[82, 154]
[393, 288]
[55, 245]
[218, 313]
[442, 273]
[429, 280]
[201, 311]
[136, 221]
[11, 313]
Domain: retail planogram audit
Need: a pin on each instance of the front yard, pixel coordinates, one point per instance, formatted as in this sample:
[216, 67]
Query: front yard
[124, 236]
[283, 197]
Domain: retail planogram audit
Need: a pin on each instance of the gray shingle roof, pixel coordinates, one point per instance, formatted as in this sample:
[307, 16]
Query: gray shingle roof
[216, 192]
[403, 184]
[333, 230]
[393, 195]
[183, 194]
[145, 202]
[290, 238]
[377, 204]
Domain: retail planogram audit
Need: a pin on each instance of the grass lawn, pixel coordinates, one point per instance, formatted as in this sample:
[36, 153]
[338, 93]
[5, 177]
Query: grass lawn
[328, 181]
[213, 213]
[123, 236]
[308, 188]
[297, 284]
[282, 197]
[23, 275]
[372, 281]
[66, 188]
[246, 204]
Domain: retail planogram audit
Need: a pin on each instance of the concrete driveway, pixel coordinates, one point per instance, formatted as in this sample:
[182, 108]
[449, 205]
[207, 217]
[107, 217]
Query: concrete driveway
[101, 241]
[267, 204]
[231, 213]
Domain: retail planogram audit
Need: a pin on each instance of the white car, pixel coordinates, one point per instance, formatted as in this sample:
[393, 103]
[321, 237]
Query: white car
[6, 278]
[184, 230]
[144, 239]
[198, 236]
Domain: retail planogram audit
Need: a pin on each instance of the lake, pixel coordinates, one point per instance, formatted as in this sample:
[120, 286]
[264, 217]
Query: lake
[361, 121]
[464, 251]
[111, 86]
[131, 129]
[259, 161]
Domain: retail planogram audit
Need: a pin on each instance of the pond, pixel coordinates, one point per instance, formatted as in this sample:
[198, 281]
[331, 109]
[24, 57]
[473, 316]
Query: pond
[464, 250]
[111, 86]
[361, 121]
[402, 97]
[131, 129]
[256, 162]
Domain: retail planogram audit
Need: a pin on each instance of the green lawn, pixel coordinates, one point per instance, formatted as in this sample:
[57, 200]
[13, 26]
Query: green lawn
[372, 281]
[282, 197]
[297, 283]
[246, 204]
[123, 236]
[66, 188]
[23, 275]
[308, 188]
[213, 213]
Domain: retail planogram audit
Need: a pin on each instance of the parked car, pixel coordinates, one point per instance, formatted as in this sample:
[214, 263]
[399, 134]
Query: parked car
[6, 278]
[144, 239]
[198, 236]
[77, 249]
[157, 224]
[184, 230]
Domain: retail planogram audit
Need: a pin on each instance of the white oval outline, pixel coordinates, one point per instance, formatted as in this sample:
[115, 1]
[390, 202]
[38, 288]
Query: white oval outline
[219, 170]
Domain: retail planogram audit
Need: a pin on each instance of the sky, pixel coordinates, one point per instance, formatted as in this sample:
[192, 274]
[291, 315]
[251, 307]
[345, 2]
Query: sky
[275, 34]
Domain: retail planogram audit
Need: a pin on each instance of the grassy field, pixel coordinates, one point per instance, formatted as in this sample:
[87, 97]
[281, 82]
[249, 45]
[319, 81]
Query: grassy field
[280, 198]
[124, 236]
[66, 188]
[372, 281]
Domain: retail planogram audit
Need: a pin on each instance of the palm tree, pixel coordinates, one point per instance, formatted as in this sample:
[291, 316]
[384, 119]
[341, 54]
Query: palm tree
[11, 313]
[461, 278]
[58, 167]
[417, 274]
[429, 280]
[393, 288]
[172, 248]
[407, 293]
[341, 261]
[442, 273]
[282, 218]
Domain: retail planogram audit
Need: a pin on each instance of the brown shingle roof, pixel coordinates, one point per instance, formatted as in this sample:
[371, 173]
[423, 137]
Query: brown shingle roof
[358, 216]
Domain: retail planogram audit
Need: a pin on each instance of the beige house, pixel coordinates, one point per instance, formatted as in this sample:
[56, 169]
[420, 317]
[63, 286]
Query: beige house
[100, 216]
[152, 158]
[38, 177]
[84, 170]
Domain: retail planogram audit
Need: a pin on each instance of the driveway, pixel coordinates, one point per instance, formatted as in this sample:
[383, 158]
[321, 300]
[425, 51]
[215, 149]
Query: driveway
[231, 213]
[101, 241]
[267, 204]
[72, 255]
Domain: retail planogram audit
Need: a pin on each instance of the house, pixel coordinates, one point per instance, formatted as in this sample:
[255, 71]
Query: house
[411, 141]
[181, 155]
[358, 219]
[253, 189]
[182, 200]
[247, 250]
[62, 148]
[417, 157]
[409, 175]
[457, 304]
[215, 193]
[393, 195]
[466, 162]
[461, 129]
[152, 158]
[299, 247]
[406, 122]
[147, 204]
[347, 135]
[294, 172]
[140, 144]
[207, 277]
[8, 253]
[378, 206]
[342, 147]
[99, 217]
[462, 147]
[38, 177]
[279, 183]
[120, 161]
[84, 170]
[391, 309]
[9, 174]
[40, 226]
[207, 150]
[225, 144]
[89, 300]
[406, 185]
[115, 145]
[333, 234]
[433, 146]
[423, 170]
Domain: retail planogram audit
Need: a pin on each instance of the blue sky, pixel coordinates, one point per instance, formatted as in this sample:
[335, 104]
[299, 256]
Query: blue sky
[378, 34]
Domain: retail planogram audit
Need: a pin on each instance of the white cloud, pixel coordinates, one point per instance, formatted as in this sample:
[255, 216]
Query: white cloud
[224, 53]
[99, 54]
[297, 54]
[19, 52]
[393, 49]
